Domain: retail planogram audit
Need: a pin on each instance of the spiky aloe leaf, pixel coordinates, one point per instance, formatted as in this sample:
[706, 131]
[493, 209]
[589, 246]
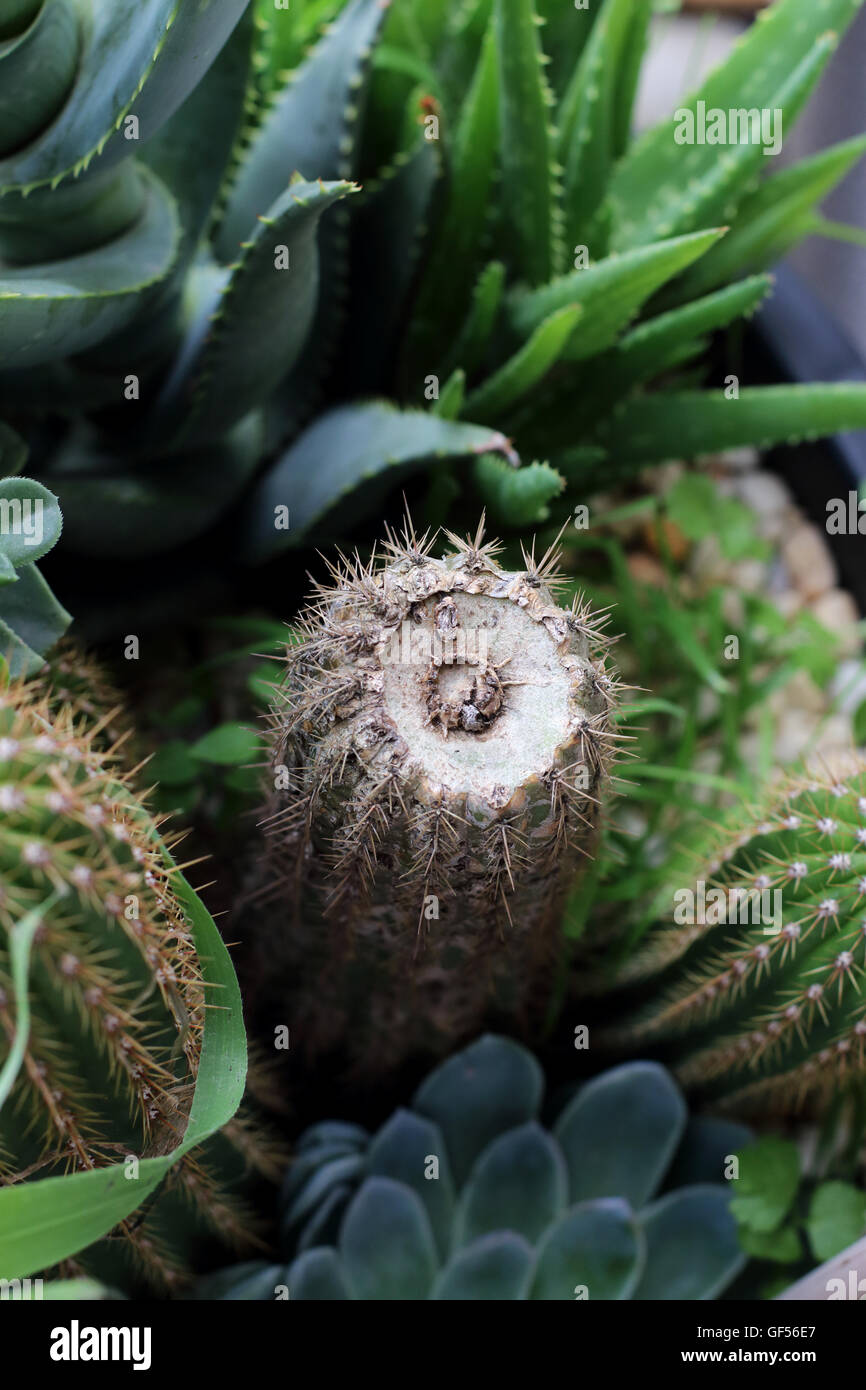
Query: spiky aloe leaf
[481, 318]
[772, 219]
[260, 315]
[516, 496]
[588, 133]
[685, 424]
[662, 187]
[521, 373]
[343, 449]
[453, 263]
[64, 308]
[609, 293]
[526, 142]
[310, 126]
[159, 50]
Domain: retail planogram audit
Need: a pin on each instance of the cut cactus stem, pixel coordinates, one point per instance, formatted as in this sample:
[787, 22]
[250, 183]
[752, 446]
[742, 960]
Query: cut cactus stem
[757, 994]
[439, 747]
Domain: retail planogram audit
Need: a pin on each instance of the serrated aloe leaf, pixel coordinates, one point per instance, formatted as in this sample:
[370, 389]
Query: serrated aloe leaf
[609, 293]
[516, 496]
[253, 1282]
[311, 126]
[37, 70]
[495, 1267]
[402, 1150]
[620, 1133]
[389, 228]
[650, 429]
[591, 390]
[43, 1222]
[705, 1149]
[31, 621]
[518, 1183]
[475, 334]
[772, 219]
[586, 121]
[318, 1274]
[453, 262]
[594, 1251]
[191, 152]
[662, 187]
[564, 36]
[490, 1087]
[386, 1244]
[116, 507]
[259, 326]
[522, 372]
[526, 141]
[13, 452]
[343, 449]
[692, 1251]
[156, 50]
[65, 307]
[630, 65]
[30, 521]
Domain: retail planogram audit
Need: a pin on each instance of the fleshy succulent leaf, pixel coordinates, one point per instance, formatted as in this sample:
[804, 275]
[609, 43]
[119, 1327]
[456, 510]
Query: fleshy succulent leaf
[663, 187]
[516, 496]
[494, 1267]
[594, 1130]
[318, 1274]
[522, 372]
[386, 1244]
[31, 621]
[491, 1086]
[706, 1148]
[692, 1251]
[594, 1251]
[518, 1184]
[401, 1150]
[526, 142]
[341, 450]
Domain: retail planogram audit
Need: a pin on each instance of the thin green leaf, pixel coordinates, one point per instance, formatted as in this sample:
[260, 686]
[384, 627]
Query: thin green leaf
[517, 377]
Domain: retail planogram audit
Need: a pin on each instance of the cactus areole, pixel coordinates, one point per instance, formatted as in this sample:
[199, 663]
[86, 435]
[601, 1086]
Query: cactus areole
[439, 742]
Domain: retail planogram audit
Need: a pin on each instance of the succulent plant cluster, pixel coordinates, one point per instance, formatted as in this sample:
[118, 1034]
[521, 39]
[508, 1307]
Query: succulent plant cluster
[466, 1195]
[188, 264]
[756, 962]
[439, 747]
[101, 992]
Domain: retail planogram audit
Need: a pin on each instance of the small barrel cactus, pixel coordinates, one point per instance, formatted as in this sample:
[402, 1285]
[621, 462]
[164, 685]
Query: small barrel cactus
[439, 746]
[108, 1058]
[757, 960]
[467, 1196]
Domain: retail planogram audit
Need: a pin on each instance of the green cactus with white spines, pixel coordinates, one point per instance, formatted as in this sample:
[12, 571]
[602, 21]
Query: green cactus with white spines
[758, 1007]
[466, 1196]
[169, 291]
[101, 992]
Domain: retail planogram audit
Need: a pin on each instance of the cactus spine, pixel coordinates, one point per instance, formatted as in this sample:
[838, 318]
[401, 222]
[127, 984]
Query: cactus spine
[763, 1008]
[115, 992]
[439, 744]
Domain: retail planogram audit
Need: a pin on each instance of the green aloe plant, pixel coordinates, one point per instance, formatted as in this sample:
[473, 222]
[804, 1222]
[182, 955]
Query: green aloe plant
[466, 1195]
[512, 276]
[31, 619]
[113, 1067]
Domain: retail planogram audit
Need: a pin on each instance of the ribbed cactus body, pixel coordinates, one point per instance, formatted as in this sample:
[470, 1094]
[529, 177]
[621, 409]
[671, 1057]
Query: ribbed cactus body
[439, 745]
[114, 986]
[760, 994]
